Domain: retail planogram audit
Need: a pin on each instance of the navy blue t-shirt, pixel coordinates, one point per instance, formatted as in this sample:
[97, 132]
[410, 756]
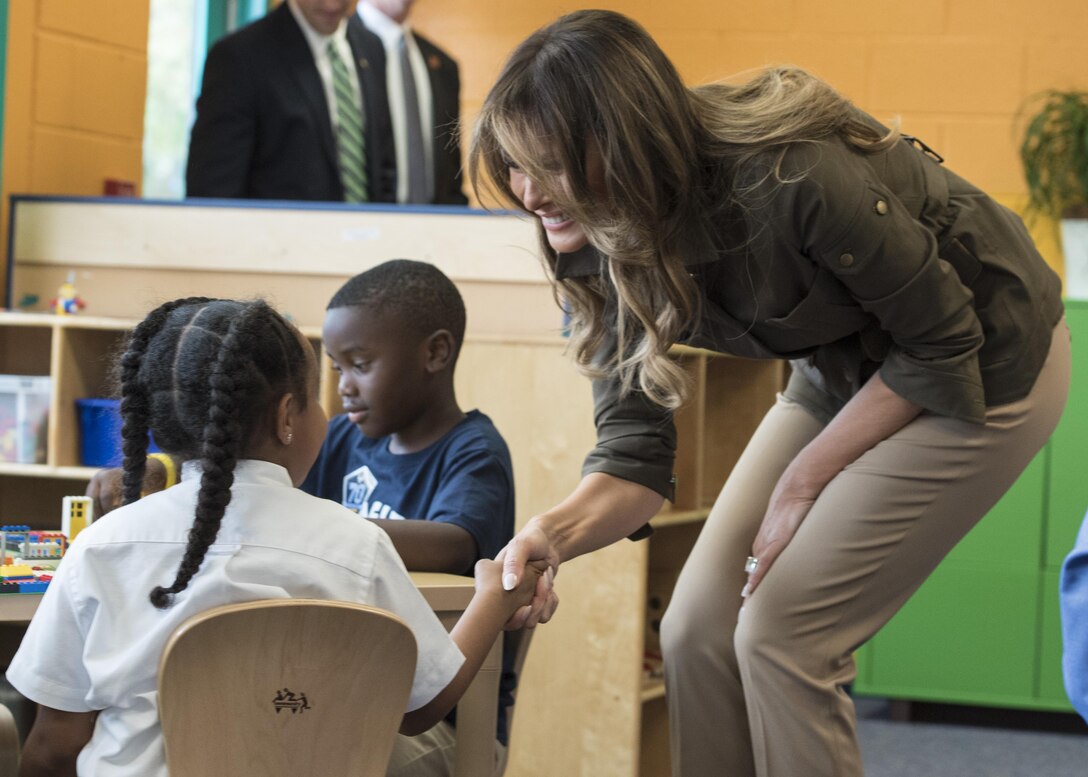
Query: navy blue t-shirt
[465, 478]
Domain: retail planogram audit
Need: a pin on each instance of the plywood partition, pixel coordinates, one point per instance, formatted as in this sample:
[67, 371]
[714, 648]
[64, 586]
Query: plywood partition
[127, 257]
[581, 679]
[739, 392]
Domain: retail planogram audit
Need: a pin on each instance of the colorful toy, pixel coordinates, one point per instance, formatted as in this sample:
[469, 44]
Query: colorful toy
[23, 579]
[21, 542]
[19, 546]
[77, 513]
[67, 302]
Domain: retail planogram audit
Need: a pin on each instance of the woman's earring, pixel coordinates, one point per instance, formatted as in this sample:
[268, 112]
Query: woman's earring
[290, 436]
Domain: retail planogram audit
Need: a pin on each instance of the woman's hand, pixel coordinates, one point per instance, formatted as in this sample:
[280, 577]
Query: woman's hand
[531, 545]
[488, 575]
[790, 503]
[873, 415]
[600, 511]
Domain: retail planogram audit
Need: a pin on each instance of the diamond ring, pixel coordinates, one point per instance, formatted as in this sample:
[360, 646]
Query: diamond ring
[751, 564]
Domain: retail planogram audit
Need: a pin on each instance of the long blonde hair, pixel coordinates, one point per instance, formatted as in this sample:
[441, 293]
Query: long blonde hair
[673, 160]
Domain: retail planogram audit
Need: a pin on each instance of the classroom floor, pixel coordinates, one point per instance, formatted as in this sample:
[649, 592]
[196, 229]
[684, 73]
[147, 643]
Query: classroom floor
[952, 741]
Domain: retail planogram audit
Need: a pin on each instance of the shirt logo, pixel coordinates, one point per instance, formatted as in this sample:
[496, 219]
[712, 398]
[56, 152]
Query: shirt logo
[358, 488]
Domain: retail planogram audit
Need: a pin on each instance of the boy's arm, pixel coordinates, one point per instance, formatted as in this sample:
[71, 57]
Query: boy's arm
[476, 631]
[104, 487]
[55, 742]
[431, 546]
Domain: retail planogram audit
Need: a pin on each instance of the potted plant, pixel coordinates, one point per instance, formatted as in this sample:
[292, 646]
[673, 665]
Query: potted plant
[1054, 153]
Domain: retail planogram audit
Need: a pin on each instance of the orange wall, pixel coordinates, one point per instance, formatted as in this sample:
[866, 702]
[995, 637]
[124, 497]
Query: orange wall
[956, 71]
[74, 100]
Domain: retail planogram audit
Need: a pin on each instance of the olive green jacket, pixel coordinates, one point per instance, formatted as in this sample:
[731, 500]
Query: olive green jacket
[861, 263]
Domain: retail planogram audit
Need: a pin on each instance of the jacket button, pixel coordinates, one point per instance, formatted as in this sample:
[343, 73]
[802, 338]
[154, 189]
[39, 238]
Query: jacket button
[846, 260]
[881, 207]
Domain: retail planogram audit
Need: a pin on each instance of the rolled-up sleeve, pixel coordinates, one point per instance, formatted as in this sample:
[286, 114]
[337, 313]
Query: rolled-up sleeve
[851, 224]
[636, 438]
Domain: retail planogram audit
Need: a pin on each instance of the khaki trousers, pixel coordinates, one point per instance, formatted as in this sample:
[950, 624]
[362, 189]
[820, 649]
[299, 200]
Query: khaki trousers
[756, 687]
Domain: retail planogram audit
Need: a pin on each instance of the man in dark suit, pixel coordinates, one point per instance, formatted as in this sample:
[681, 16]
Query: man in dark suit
[436, 86]
[269, 124]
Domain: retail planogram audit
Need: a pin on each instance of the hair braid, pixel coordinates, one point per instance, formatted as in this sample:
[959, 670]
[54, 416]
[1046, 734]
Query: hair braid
[135, 402]
[229, 384]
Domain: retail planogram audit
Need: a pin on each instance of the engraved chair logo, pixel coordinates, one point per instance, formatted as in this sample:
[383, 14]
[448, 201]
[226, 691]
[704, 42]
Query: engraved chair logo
[289, 700]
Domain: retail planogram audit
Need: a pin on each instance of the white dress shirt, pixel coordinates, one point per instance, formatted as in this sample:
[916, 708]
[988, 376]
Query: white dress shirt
[391, 34]
[319, 47]
[95, 641]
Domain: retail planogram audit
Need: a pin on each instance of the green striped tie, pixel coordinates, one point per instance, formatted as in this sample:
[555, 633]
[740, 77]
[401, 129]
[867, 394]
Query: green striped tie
[349, 131]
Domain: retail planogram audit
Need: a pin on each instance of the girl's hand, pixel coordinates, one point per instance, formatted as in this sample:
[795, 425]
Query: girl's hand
[489, 583]
[789, 504]
[529, 547]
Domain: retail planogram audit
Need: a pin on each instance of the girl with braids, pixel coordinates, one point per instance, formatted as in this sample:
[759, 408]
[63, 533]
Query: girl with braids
[228, 388]
[771, 219]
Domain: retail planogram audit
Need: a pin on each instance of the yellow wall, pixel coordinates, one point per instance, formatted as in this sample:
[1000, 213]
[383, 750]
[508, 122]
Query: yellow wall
[956, 71]
[74, 100]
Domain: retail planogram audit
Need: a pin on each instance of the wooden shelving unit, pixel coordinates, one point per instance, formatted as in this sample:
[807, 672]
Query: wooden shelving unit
[78, 353]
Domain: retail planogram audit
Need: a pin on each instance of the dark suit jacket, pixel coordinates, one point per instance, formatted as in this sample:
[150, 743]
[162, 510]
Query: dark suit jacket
[446, 112]
[262, 129]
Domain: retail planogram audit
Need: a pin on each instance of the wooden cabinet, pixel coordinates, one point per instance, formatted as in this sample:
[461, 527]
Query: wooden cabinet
[585, 706]
[79, 354]
[985, 628]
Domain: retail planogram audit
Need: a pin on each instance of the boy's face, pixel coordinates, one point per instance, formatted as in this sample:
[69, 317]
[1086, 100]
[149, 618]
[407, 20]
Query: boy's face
[382, 368]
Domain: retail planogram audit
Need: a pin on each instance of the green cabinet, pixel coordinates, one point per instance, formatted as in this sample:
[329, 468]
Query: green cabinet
[985, 627]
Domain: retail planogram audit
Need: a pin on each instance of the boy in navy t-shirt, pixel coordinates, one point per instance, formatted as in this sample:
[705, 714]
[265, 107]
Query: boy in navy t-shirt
[404, 449]
[438, 480]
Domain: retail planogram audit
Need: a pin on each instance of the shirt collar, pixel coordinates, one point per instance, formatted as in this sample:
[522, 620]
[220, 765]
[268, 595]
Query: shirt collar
[381, 25]
[587, 260]
[245, 471]
[318, 43]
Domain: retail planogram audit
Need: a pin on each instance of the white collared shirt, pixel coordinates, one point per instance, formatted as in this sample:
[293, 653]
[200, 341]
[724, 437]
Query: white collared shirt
[391, 33]
[95, 641]
[319, 45]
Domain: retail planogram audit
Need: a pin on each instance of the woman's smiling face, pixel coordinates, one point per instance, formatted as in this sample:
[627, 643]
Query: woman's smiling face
[564, 234]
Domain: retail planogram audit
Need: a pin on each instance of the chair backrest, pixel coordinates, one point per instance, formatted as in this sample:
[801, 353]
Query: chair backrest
[285, 687]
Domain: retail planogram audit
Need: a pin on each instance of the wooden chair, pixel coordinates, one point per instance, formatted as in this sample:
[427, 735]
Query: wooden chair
[285, 687]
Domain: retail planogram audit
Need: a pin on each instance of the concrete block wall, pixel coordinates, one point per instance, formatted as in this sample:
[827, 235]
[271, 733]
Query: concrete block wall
[74, 98]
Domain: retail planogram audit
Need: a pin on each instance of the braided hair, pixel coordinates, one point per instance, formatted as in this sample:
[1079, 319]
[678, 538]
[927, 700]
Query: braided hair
[204, 376]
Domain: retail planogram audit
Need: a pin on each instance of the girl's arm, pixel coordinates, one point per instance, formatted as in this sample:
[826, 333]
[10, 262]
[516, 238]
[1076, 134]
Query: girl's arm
[476, 631]
[55, 742]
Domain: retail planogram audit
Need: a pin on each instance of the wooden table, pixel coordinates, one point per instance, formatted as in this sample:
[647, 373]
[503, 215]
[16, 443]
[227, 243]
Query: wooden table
[477, 711]
[448, 596]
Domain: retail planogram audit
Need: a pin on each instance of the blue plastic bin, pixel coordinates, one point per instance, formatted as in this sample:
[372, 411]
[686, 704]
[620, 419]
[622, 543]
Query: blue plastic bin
[100, 433]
